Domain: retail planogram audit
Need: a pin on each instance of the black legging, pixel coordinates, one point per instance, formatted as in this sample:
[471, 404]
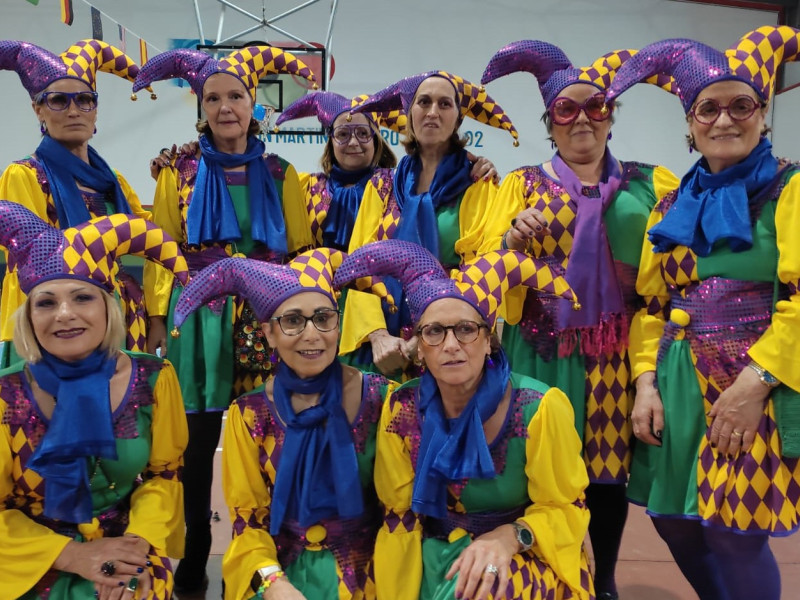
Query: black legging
[608, 507]
[198, 474]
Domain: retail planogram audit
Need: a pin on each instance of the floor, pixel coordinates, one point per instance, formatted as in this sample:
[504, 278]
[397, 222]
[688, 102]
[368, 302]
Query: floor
[645, 570]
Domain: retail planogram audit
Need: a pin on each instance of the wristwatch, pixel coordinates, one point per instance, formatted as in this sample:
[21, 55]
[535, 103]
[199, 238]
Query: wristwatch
[261, 574]
[524, 536]
[767, 378]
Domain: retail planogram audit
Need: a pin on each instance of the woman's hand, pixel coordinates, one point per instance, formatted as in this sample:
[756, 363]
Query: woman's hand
[388, 352]
[528, 224]
[282, 589]
[482, 168]
[648, 411]
[164, 159]
[129, 555]
[144, 583]
[737, 413]
[495, 548]
[157, 336]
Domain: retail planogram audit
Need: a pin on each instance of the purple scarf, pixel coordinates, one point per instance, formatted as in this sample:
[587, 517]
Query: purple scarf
[591, 271]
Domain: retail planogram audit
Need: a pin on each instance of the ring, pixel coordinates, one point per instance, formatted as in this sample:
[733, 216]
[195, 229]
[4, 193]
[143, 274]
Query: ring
[490, 568]
[108, 568]
[737, 433]
[132, 584]
[164, 150]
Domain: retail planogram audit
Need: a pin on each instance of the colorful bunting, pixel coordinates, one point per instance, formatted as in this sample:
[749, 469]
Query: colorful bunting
[97, 24]
[67, 14]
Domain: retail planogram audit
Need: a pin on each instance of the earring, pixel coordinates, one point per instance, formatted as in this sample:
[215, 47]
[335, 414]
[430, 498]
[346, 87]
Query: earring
[95, 129]
[690, 141]
[489, 361]
[274, 359]
[43, 127]
[609, 135]
[552, 144]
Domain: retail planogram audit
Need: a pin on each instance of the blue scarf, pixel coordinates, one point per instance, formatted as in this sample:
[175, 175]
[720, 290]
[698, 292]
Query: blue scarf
[80, 427]
[318, 473]
[211, 216]
[63, 168]
[345, 202]
[716, 206]
[455, 449]
[418, 211]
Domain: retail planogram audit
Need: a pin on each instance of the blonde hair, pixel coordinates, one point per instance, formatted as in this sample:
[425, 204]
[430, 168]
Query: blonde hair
[27, 346]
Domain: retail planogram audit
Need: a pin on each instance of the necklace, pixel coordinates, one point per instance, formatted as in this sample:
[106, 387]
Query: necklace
[98, 466]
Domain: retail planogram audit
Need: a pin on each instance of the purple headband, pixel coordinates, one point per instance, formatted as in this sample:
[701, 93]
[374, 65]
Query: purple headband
[473, 100]
[38, 68]
[87, 251]
[482, 282]
[554, 71]
[754, 60]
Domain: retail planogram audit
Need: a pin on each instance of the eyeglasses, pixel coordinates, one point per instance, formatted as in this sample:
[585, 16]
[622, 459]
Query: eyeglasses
[565, 110]
[344, 133]
[741, 108]
[324, 319]
[466, 332]
[85, 101]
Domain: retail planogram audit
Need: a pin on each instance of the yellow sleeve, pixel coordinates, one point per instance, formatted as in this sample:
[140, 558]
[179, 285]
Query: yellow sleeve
[647, 324]
[248, 500]
[157, 505]
[18, 184]
[478, 208]
[557, 478]
[133, 199]
[304, 179]
[28, 549]
[510, 202]
[157, 281]
[362, 311]
[776, 349]
[295, 214]
[398, 548]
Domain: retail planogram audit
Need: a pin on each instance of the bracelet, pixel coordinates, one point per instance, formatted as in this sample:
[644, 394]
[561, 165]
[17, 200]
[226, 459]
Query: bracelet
[268, 581]
[503, 244]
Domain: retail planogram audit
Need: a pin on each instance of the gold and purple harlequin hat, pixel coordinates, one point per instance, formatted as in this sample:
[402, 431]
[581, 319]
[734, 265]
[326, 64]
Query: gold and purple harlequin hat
[38, 68]
[265, 285]
[87, 251]
[474, 102]
[327, 106]
[754, 60]
[554, 71]
[248, 65]
[482, 282]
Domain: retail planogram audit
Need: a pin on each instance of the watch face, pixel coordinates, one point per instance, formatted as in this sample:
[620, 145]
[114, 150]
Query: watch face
[525, 536]
[769, 378]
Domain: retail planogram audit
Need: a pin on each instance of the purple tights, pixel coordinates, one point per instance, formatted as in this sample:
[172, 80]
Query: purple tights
[721, 564]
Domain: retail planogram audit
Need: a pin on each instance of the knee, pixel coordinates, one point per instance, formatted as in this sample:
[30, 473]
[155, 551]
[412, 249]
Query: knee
[730, 543]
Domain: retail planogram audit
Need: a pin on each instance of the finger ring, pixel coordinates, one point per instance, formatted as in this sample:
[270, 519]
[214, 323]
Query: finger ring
[108, 568]
[132, 584]
[163, 150]
[737, 433]
[490, 568]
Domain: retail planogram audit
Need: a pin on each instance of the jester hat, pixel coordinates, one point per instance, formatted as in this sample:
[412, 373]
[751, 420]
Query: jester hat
[554, 71]
[265, 285]
[482, 282]
[38, 68]
[473, 100]
[248, 65]
[754, 60]
[327, 106]
[86, 252]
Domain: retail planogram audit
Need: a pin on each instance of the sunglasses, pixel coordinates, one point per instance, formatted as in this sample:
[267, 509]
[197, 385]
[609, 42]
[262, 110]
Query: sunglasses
[565, 110]
[344, 133]
[741, 108]
[58, 101]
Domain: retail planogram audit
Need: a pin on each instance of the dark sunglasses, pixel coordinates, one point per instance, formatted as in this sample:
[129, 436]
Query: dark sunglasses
[565, 110]
[85, 101]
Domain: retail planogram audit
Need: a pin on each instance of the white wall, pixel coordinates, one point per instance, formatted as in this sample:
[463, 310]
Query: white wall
[375, 44]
